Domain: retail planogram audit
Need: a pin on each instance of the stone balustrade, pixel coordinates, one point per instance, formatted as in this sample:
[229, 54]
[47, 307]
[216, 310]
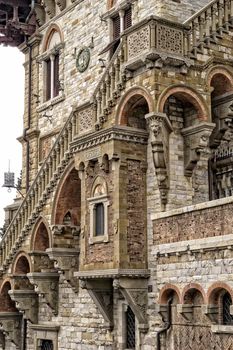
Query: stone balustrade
[209, 24]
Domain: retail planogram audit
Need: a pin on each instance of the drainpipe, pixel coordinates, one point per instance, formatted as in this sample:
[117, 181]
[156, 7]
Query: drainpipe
[167, 325]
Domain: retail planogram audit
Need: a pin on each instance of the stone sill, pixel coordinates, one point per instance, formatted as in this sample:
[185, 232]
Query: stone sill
[224, 329]
[50, 103]
[192, 208]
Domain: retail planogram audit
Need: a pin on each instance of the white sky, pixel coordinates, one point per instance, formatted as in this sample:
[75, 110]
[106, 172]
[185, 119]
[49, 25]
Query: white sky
[11, 111]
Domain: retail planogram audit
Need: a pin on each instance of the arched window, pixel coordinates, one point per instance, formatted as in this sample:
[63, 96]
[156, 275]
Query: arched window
[98, 205]
[227, 317]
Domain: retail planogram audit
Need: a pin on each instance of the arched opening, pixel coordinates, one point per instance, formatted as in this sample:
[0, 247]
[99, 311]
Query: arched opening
[41, 238]
[221, 142]
[6, 304]
[226, 304]
[68, 208]
[187, 116]
[134, 111]
[222, 299]
[22, 266]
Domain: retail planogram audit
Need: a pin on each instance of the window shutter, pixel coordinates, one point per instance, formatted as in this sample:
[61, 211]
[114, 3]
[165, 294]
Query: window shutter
[48, 80]
[56, 76]
[116, 27]
[128, 18]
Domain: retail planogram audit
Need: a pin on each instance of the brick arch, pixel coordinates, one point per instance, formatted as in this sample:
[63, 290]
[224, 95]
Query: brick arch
[166, 290]
[193, 287]
[123, 106]
[186, 94]
[21, 264]
[49, 33]
[221, 80]
[215, 289]
[6, 304]
[67, 197]
[41, 236]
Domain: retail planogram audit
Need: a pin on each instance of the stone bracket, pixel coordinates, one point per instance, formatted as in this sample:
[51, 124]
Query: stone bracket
[66, 261]
[10, 324]
[186, 310]
[101, 293]
[40, 261]
[160, 128]
[162, 310]
[211, 311]
[196, 141]
[46, 285]
[26, 302]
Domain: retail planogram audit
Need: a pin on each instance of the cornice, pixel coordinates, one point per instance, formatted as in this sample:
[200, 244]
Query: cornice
[113, 273]
[119, 133]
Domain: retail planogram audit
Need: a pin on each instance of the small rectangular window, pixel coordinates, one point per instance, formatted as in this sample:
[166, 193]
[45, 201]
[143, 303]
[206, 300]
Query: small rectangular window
[130, 329]
[128, 18]
[56, 76]
[116, 27]
[99, 219]
[48, 79]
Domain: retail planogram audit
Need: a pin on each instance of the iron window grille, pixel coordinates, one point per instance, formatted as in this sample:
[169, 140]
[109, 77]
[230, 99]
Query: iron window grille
[130, 329]
[226, 309]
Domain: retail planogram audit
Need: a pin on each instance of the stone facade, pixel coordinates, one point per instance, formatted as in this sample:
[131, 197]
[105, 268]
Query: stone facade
[123, 239]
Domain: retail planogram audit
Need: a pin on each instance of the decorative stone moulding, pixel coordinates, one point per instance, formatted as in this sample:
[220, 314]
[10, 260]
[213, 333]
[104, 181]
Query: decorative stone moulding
[46, 285]
[196, 140]
[27, 303]
[21, 282]
[66, 261]
[40, 14]
[10, 324]
[40, 261]
[160, 128]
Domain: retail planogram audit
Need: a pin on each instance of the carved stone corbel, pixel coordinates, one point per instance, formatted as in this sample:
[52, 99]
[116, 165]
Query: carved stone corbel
[186, 310]
[61, 4]
[101, 292]
[40, 261]
[196, 142]
[49, 6]
[211, 311]
[160, 128]
[162, 310]
[136, 294]
[10, 324]
[66, 260]
[26, 302]
[46, 285]
[40, 14]
[222, 125]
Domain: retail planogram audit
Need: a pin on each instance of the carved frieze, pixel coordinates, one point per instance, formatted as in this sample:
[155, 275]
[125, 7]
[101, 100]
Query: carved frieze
[169, 39]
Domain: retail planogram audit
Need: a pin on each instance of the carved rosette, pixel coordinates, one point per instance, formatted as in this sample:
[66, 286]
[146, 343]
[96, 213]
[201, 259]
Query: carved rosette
[10, 324]
[196, 141]
[160, 128]
[46, 285]
[26, 302]
[66, 261]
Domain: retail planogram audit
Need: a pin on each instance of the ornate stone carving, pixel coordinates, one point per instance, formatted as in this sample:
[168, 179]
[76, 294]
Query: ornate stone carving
[196, 140]
[46, 285]
[61, 4]
[49, 6]
[223, 124]
[40, 14]
[66, 260]
[86, 120]
[40, 261]
[26, 302]
[138, 42]
[169, 39]
[10, 324]
[160, 128]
